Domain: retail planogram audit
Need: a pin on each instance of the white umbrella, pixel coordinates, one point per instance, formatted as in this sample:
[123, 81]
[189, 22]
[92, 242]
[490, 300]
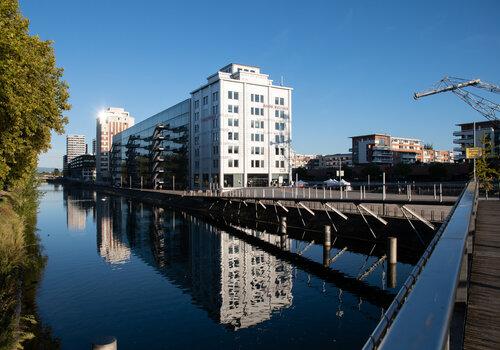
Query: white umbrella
[331, 183]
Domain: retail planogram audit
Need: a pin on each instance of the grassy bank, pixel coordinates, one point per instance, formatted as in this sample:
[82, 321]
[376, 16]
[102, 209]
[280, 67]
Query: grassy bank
[21, 267]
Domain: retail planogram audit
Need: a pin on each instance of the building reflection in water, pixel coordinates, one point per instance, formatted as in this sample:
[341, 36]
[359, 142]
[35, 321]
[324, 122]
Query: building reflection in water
[111, 243]
[238, 284]
[78, 204]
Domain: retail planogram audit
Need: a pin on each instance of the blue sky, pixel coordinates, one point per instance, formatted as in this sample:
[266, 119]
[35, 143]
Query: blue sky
[353, 64]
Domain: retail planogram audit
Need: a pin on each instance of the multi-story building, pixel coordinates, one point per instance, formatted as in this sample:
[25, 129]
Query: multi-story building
[240, 130]
[301, 160]
[75, 146]
[234, 131]
[82, 168]
[109, 123]
[437, 156]
[406, 150]
[154, 152]
[94, 146]
[373, 148]
[465, 137]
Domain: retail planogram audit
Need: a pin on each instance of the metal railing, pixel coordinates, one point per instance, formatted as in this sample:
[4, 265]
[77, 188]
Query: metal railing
[420, 315]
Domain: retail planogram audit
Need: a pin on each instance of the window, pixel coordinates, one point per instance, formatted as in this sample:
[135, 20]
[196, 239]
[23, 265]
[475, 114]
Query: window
[215, 123]
[230, 163]
[236, 122]
[233, 109]
[205, 100]
[215, 110]
[230, 122]
[230, 108]
[279, 126]
[282, 101]
[279, 138]
[196, 140]
[215, 163]
[277, 151]
[196, 103]
[282, 163]
[236, 136]
[236, 163]
[277, 164]
[236, 109]
[282, 114]
[230, 135]
[276, 113]
[196, 152]
[276, 100]
[196, 128]
[215, 96]
[236, 149]
[233, 95]
[215, 149]
[196, 115]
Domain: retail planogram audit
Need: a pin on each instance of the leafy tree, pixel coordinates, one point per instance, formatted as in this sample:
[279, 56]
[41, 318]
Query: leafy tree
[33, 96]
[428, 146]
[485, 172]
[56, 172]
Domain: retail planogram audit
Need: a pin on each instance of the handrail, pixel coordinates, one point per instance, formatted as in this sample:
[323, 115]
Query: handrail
[420, 315]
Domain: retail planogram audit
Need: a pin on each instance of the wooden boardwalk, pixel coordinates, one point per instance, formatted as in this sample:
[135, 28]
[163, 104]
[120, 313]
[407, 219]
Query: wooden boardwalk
[482, 326]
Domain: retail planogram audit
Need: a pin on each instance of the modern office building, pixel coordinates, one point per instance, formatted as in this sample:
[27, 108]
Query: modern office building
[109, 123]
[82, 168]
[240, 130]
[234, 131]
[465, 137]
[154, 152]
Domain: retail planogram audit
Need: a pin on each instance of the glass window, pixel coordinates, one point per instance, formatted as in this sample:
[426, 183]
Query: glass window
[230, 108]
[276, 100]
[230, 95]
[236, 109]
[236, 122]
[236, 136]
[236, 95]
[236, 163]
[230, 135]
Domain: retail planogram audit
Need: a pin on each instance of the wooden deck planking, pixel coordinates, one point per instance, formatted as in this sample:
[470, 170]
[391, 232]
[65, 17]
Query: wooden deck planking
[482, 326]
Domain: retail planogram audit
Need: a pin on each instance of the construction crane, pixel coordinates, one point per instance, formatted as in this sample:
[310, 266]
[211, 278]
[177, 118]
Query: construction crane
[486, 107]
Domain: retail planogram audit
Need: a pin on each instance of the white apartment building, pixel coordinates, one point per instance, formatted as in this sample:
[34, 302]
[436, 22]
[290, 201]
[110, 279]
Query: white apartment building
[110, 122]
[75, 146]
[240, 130]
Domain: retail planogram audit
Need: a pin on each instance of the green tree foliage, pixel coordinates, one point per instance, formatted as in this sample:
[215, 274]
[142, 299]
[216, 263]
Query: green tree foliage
[485, 171]
[56, 172]
[33, 96]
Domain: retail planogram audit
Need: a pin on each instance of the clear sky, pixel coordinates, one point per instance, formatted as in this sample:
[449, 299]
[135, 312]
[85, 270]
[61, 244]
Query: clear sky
[353, 64]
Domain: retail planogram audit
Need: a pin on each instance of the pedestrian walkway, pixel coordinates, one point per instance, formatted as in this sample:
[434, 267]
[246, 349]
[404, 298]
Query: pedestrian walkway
[482, 326]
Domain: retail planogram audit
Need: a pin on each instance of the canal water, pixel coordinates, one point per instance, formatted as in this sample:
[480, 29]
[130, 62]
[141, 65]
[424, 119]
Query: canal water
[159, 279]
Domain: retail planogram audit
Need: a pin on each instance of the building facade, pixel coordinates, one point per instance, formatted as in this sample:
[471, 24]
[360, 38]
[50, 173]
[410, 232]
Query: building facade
[465, 137]
[240, 130]
[109, 123]
[154, 152]
[373, 148]
[406, 150]
[82, 168]
[301, 160]
[437, 156]
[75, 146]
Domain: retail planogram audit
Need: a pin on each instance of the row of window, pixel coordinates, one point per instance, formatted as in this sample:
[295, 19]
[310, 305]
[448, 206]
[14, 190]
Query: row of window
[233, 95]
[233, 135]
[279, 126]
[233, 163]
[280, 164]
[279, 114]
[257, 137]
[257, 150]
[257, 98]
[233, 109]
[257, 111]
[233, 149]
[256, 163]
[257, 124]
[233, 122]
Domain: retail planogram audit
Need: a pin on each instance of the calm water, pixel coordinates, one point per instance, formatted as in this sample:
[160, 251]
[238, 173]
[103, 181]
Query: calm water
[160, 279]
